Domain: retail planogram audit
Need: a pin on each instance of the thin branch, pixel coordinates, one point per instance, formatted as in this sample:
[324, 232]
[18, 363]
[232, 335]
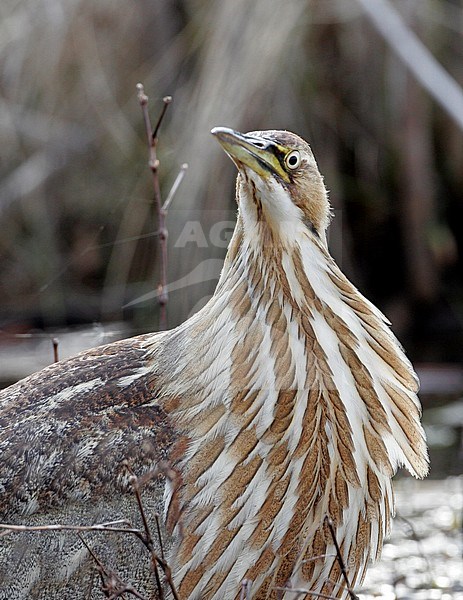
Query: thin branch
[158, 527]
[153, 162]
[147, 539]
[315, 558]
[416, 538]
[111, 583]
[7, 528]
[300, 591]
[143, 101]
[175, 186]
[351, 592]
[120, 526]
[119, 241]
[167, 100]
[55, 343]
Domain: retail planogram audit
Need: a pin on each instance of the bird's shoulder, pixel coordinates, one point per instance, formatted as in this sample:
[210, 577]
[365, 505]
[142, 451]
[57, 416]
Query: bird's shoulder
[73, 377]
[67, 431]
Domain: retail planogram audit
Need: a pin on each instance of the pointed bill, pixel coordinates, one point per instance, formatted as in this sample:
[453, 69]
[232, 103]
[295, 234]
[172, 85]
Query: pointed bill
[255, 152]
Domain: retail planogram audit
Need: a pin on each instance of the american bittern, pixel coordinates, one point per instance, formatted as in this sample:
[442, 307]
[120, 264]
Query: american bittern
[285, 400]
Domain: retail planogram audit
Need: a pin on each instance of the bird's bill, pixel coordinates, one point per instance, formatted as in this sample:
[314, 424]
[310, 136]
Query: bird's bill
[255, 152]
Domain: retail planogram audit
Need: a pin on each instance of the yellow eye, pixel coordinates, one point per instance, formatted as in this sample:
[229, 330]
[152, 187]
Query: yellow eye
[293, 159]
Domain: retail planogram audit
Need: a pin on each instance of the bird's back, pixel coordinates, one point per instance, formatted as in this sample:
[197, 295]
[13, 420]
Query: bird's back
[70, 437]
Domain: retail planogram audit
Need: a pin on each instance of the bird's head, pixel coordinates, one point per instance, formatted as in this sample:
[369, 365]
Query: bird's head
[279, 183]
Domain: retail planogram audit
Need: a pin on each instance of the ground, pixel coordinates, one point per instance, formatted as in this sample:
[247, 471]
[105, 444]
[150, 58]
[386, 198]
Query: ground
[422, 559]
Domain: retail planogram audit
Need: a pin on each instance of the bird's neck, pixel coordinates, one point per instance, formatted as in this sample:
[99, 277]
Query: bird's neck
[288, 379]
[275, 263]
[285, 320]
[257, 331]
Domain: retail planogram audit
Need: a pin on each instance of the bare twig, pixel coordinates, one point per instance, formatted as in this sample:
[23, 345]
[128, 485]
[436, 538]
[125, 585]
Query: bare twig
[143, 101]
[303, 592]
[111, 584]
[161, 209]
[55, 342]
[110, 526]
[351, 592]
[419, 542]
[109, 578]
[315, 558]
[154, 136]
[158, 527]
[146, 538]
[175, 186]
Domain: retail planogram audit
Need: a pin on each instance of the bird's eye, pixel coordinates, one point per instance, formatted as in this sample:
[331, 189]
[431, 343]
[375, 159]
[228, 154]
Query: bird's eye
[293, 159]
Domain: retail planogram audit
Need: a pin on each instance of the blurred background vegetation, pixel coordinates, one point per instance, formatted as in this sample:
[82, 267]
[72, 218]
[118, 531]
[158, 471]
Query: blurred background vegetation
[75, 190]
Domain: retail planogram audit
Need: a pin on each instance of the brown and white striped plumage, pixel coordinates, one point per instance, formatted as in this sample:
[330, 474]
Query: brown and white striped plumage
[286, 399]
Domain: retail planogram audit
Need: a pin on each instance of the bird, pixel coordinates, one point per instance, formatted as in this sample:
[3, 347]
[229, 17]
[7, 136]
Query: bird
[273, 420]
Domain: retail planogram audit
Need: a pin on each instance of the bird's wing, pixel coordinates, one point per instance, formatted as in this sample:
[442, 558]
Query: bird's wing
[66, 434]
